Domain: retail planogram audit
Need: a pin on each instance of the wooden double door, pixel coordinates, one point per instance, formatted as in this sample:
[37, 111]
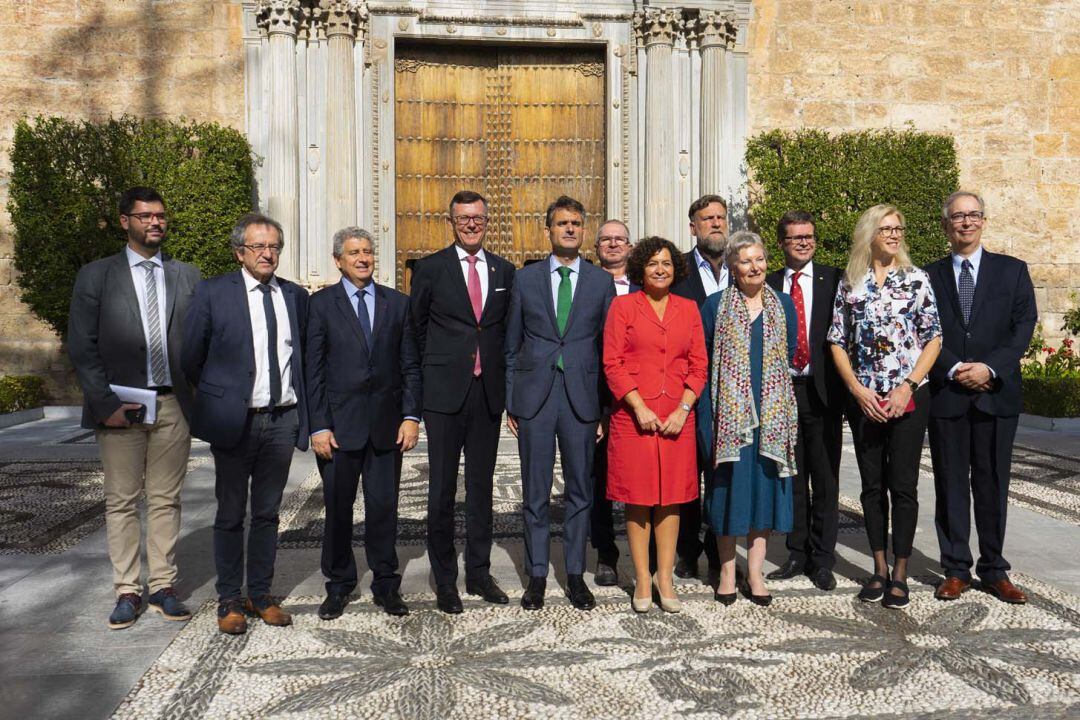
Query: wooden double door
[521, 126]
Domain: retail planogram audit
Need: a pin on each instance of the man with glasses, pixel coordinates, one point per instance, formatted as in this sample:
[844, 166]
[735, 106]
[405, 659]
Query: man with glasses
[458, 301]
[124, 329]
[987, 306]
[819, 395]
[242, 352]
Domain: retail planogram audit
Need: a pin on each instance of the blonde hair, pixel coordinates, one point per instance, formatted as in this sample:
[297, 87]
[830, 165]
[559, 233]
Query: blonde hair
[866, 229]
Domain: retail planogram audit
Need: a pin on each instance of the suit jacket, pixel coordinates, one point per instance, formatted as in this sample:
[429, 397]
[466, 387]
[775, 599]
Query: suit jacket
[827, 382]
[533, 343]
[448, 334]
[361, 392]
[219, 357]
[105, 338]
[691, 286]
[1003, 316]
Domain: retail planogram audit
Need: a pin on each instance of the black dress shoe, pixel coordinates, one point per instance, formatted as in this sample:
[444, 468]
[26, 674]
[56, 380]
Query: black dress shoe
[823, 579]
[788, 570]
[333, 606]
[488, 589]
[726, 598]
[578, 592]
[606, 575]
[686, 568]
[533, 597]
[448, 600]
[392, 603]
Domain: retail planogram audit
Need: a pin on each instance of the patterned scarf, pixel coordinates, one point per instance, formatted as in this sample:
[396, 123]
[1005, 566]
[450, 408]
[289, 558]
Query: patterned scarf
[734, 413]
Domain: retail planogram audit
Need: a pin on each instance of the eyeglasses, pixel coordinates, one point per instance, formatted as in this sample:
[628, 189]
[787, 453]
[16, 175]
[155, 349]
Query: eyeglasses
[464, 220]
[799, 238]
[146, 218]
[613, 240]
[891, 230]
[958, 218]
[260, 248]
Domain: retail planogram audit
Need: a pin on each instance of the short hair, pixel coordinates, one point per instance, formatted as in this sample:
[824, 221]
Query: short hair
[610, 221]
[466, 197]
[139, 193]
[793, 217]
[563, 202]
[703, 202]
[236, 238]
[738, 242]
[349, 233]
[644, 251]
[956, 196]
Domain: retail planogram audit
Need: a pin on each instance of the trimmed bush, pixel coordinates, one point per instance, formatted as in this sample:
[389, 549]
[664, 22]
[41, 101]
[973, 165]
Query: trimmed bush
[67, 177]
[837, 177]
[1055, 397]
[21, 392]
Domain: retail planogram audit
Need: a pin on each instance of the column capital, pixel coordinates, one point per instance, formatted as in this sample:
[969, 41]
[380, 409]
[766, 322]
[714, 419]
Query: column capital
[658, 26]
[280, 17]
[344, 17]
[714, 28]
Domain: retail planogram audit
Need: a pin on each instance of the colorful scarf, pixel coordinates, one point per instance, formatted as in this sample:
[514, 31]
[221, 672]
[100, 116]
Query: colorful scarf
[735, 415]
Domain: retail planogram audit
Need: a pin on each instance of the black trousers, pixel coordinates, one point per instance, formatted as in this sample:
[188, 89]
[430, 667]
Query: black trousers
[888, 455]
[816, 486]
[602, 523]
[381, 473]
[690, 542]
[476, 430]
[972, 455]
[262, 459]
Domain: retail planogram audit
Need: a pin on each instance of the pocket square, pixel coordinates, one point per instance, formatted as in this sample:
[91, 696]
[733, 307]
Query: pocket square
[500, 289]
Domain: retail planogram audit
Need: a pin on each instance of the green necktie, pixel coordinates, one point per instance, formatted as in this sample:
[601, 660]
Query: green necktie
[562, 308]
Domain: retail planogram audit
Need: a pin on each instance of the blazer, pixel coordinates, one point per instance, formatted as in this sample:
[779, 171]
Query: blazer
[361, 392]
[448, 334]
[827, 382]
[105, 338]
[1003, 317]
[691, 286]
[533, 343]
[219, 357]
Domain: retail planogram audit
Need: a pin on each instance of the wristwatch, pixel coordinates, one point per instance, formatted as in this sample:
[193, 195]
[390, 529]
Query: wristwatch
[911, 384]
[685, 407]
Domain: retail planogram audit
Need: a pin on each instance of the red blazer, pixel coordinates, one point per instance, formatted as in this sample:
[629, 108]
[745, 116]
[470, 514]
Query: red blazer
[653, 356]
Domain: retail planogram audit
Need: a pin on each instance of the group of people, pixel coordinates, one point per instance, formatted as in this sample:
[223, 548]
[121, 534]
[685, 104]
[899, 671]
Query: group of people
[700, 390]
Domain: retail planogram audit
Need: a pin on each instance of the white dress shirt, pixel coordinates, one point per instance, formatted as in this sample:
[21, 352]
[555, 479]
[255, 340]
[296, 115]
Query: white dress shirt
[957, 265]
[708, 280]
[556, 279]
[260, 393]
[806, 282]
[481, 270]
[622, 285]
[138, 277]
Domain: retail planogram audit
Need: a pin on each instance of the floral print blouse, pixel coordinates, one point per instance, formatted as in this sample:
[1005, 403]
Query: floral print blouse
[885, 329]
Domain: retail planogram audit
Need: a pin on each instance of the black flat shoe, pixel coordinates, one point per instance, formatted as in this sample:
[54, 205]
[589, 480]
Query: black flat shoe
[533, 597]
[726, 598]
[578, 592]
[487, 589]
[333, 606]
[788, 570]
[392, 604]
[873, 594]
[893, 601]
[448, 600]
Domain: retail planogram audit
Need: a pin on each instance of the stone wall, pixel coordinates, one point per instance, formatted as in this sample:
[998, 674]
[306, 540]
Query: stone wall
[1002, 77]
[87, 59]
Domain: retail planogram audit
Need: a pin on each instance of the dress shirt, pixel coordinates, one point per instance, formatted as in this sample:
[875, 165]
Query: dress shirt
[622, 285]
[975, 259]
[806, 282]
[553, 269]
[260, 393]
[705, 270]
[138, 277]
[481, 270]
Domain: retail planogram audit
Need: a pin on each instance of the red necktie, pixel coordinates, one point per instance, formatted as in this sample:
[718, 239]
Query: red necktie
[802, 348]
[477, 300]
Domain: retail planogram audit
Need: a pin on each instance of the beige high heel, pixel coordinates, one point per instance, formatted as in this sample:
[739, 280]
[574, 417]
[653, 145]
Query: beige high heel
[667, 604]
[641, 605]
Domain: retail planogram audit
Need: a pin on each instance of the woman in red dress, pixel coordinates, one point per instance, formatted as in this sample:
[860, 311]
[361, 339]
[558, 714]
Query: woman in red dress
[655, 363]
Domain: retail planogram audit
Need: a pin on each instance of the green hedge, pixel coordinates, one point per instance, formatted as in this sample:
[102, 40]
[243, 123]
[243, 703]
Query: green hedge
[1052, 397]
[837, 177]
[20, 392]
[67, 177]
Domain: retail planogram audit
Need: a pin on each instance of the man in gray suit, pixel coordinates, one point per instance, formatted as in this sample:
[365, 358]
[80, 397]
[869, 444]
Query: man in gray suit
[124, 329]
[554, 330]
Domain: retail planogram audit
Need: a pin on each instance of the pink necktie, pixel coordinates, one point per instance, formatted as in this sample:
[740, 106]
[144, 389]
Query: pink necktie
[477, 300]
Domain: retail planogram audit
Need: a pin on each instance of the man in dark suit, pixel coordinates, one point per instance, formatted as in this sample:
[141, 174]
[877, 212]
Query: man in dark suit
[987, 307]
[459, 300]
[553, 333]
[819, 395]
[363, 381]
[124, 329]
[708, 275]
[242, 351]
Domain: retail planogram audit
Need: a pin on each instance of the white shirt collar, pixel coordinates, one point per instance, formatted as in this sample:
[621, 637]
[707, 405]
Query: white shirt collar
[807, 270]
[250, 283]
[554, 264]
[461, 254]
[975, 258]
[135, 258]
[702, 261]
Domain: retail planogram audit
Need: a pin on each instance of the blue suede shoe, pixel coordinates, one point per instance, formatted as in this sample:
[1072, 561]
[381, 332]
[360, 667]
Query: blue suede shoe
[126, 612]
[166, 603]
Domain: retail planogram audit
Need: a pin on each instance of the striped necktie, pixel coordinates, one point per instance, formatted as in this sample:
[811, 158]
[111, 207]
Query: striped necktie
[153, 326]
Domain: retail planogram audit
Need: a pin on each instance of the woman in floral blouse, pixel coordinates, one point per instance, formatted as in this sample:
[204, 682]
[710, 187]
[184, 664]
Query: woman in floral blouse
[885, 337]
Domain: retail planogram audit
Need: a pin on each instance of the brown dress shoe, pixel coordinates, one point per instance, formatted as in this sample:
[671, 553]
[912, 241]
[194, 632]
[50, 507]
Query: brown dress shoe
[231, 619]
[951, 588]
[1006, 592]
[270, 612]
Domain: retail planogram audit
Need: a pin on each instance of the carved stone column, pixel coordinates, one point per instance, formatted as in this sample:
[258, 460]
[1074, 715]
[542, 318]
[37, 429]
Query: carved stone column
[342, 26]
[716, 35]
[657, 29]
[281, 18]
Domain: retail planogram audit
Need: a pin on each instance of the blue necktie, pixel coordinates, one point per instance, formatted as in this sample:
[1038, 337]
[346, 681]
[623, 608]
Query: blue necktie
[365, 321]
[966, 289]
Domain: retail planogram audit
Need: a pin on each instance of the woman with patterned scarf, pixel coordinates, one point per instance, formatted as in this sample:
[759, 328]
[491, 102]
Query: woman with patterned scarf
[750, 332]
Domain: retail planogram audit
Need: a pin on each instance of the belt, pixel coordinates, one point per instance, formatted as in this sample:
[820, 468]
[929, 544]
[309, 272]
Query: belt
[271, 409]
[162, 390]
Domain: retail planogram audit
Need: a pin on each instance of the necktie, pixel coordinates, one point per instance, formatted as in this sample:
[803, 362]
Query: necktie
[476, 298]
[562, 307]
[966, 289]
[802, 347]
[271, 344]
[365, 321]
[153, 329]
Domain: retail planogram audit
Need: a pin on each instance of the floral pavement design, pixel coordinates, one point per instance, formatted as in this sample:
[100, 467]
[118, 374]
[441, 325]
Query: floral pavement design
[811, 654]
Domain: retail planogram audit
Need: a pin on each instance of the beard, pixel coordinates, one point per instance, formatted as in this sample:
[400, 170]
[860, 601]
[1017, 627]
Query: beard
[713, 245]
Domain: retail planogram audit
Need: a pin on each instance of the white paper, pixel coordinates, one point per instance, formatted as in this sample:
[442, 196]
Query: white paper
[142, 396]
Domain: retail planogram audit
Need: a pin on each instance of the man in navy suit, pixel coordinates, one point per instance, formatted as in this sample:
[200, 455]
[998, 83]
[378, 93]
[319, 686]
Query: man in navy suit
[987, 307]
[242, 354]
[363, 382]
[553, 333]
